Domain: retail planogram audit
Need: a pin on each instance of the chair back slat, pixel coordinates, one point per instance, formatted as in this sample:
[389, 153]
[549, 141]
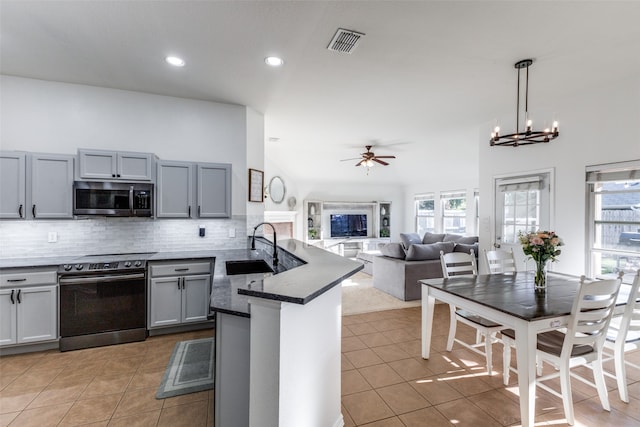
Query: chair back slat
[458, 263]
[591, 313]
[500, 261]
[631, 317]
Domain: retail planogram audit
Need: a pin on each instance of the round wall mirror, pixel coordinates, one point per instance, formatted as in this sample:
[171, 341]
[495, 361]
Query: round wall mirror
[277, 189]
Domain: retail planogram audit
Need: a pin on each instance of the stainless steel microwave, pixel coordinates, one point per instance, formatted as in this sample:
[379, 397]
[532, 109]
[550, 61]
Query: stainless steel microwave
[112, 198]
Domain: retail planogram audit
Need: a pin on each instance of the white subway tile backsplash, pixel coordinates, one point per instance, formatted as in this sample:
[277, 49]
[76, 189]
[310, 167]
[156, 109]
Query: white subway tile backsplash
[24, 239]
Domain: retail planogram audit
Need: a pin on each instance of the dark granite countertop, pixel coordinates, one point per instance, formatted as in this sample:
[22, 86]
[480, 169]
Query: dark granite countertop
[310, 272]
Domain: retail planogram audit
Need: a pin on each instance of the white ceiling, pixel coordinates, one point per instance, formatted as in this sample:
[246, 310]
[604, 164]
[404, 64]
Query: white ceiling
[426, 78]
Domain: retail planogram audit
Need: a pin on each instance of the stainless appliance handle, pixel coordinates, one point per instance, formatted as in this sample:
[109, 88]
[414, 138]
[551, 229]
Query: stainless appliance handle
[131, 199]
[110, 278]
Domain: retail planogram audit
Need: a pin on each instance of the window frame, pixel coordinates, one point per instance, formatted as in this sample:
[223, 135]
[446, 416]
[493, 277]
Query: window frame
[597, 175]
[422, 197]
[547, 217]
[451, 195]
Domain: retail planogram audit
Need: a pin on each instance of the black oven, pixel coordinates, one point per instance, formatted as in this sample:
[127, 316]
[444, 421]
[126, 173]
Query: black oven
[102, 304]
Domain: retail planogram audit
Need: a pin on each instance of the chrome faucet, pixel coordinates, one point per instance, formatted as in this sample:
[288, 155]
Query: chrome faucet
[275, 244]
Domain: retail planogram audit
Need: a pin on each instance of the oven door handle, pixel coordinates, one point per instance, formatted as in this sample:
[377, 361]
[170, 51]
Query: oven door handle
[101, 279]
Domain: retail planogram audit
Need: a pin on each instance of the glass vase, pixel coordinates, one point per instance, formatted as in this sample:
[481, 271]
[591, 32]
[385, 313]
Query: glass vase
[540, 278]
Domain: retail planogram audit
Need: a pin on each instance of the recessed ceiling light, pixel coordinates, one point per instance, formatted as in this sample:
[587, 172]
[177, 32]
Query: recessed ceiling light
[175, 61]
[274, 61]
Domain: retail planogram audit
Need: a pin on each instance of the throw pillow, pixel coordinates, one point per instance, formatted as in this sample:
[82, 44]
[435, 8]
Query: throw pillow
[392, 250]
[460, 239]
[428, 251]
[468, 240]
[409, 239]
[432, 237]
[466, 248]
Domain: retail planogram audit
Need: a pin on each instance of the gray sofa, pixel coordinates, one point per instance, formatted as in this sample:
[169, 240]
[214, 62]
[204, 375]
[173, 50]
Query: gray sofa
[399, 267]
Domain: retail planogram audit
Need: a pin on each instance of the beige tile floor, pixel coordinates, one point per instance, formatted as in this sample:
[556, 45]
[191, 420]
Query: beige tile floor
[385, 382]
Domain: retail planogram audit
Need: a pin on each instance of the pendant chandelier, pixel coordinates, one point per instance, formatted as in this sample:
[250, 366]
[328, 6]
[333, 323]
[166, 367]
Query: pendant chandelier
[527, 136]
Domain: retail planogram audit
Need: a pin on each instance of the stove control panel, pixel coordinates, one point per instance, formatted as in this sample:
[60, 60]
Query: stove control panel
[102, 266]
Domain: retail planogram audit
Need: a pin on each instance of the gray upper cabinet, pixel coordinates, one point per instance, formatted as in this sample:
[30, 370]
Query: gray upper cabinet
[12, 185]
[214, 190]
[36, 186]
[115, 165]
[174, 189]
[51, 186]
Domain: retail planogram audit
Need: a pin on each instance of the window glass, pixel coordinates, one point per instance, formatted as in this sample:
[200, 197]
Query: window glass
[425, 213]
[454, 213]
[615, 228]
[521, 213]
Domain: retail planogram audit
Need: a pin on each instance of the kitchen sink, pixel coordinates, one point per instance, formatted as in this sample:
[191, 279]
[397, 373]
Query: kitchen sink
[248, 266]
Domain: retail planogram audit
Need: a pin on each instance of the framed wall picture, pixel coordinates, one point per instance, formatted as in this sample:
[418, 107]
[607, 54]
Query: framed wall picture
[256, 185]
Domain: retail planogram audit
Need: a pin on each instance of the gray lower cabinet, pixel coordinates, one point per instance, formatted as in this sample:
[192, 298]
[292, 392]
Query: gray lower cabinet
[34, 185]
[28, 307]
[175, 184]
[12, 185]
[179, 292]
[115, 165]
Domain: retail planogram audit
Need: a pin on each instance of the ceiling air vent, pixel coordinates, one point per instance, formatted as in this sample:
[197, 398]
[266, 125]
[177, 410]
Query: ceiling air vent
[345, 41]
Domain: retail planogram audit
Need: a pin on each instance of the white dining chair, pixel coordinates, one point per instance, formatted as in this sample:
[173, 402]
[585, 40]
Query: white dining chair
[581, 344]
[500, 261]
[461, 263]
[624, 336]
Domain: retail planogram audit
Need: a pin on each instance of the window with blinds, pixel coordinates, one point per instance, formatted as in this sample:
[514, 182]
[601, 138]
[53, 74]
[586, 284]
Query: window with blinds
[614, 219]
[454, 212]
[520, 206]
[425, 213]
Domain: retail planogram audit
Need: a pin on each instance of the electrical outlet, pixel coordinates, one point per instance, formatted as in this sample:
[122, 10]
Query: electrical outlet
[232, 232]
[52, 237]
[202, 229]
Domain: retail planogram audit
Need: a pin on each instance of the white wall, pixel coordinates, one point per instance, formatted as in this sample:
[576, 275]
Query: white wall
[52, 117]
[597, 125]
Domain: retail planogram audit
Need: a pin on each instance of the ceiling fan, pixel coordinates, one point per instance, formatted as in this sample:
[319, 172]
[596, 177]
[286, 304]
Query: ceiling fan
[367, 159]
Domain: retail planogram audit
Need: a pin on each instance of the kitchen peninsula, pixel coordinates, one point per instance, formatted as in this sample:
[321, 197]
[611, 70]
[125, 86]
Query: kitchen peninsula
[278, 338]
[278, 334]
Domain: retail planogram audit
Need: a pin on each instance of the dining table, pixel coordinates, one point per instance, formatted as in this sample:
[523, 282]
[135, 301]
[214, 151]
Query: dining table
[509, 299]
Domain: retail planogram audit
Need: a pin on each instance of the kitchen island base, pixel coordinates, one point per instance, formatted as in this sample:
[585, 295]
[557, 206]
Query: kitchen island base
[295, 362]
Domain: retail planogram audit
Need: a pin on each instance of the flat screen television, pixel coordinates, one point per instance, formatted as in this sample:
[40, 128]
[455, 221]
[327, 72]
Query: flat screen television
[348, 225]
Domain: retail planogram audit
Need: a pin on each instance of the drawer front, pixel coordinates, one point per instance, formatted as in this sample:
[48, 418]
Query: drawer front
[27, 279]
[181, 269]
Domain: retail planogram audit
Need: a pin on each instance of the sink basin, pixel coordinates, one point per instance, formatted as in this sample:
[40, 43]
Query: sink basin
[247, 267]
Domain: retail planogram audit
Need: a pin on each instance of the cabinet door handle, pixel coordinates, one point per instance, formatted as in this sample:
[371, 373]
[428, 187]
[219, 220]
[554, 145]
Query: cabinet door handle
[183, 280]
[179, 283]
[19, 292]
[33, 210]
[189, 213]
[20, 211]
[13, 301]
[181, 269]
[198, 210]
[16, 280]
[113, 175]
